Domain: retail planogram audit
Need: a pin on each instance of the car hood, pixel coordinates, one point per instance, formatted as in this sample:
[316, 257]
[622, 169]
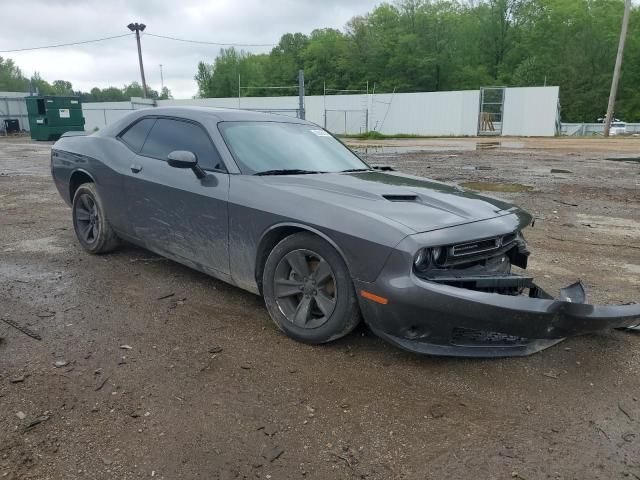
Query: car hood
[417, 203]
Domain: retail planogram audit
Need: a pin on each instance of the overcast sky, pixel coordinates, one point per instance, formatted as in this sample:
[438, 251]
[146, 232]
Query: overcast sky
[30, 23]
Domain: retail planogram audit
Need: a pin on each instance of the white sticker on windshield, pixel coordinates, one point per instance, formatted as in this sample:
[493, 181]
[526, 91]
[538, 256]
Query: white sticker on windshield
[320, 133]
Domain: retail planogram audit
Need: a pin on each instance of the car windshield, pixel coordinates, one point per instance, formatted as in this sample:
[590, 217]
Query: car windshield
[281, 148]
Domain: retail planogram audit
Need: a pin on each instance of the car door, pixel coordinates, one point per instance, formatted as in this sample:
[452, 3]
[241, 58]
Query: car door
[173, 212]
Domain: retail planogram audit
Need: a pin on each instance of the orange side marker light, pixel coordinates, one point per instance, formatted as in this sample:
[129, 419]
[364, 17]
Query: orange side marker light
[374, 297]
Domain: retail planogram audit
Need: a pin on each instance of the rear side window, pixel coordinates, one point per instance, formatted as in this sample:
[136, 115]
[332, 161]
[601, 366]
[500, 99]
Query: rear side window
[135, 135]
[168, 135]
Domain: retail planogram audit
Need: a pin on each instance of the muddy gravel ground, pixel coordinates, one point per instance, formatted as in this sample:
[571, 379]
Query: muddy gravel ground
[149, 369]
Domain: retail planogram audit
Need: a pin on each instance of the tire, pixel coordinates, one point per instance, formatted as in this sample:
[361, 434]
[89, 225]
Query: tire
[90, 221]
[319, 309]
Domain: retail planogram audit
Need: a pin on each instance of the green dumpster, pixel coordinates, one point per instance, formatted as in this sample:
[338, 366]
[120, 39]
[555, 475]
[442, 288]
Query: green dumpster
[50, 117]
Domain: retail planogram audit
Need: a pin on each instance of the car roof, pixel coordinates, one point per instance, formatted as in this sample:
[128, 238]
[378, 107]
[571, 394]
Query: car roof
[226, 114]
[198, 114]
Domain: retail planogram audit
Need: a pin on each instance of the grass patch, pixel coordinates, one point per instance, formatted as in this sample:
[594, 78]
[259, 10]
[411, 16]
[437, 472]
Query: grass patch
[373, 135]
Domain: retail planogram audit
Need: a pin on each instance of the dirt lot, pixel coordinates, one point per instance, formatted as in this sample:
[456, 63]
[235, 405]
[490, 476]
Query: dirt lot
[210, 389]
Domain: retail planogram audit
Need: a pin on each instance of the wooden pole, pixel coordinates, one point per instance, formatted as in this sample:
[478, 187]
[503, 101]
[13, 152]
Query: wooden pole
[617, 68]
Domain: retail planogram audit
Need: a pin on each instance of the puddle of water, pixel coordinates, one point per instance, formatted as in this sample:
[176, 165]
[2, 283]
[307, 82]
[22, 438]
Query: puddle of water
[390, 149]
[497, 187]
[632, 268]
[373, 149]
[487, 145]
[625, 159]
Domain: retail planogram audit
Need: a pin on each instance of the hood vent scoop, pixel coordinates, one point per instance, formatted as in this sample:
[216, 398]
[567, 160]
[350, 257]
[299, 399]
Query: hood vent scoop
[401, 198]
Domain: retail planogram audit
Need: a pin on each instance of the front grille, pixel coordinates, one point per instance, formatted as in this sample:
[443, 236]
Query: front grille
[471, 248]
[481, 246]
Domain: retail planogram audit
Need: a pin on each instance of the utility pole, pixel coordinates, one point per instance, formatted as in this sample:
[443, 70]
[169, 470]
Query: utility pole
[617, 68]
[139, 27]
[161, 80]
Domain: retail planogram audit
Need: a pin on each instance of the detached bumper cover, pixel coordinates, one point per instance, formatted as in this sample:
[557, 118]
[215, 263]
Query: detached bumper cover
[438, 319]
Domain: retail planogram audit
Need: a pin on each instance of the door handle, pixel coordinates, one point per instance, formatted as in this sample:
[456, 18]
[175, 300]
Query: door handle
[136, 168]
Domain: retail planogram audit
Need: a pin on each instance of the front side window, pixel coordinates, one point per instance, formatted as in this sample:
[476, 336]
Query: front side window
[267, 146]
[168, 135]
[137, 133]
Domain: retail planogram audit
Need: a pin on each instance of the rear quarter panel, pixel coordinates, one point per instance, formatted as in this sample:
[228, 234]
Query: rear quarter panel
[106, 160]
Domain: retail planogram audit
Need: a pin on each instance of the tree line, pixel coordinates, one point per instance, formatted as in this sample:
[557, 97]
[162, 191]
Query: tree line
[423, 45]
[12, 80]
[428, 45]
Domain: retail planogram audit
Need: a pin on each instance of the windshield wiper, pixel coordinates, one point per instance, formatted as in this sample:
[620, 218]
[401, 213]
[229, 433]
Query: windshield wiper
[288, 171]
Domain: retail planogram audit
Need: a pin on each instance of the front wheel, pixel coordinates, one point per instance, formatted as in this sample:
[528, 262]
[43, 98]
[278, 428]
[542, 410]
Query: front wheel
[90, 222]
[308, 290]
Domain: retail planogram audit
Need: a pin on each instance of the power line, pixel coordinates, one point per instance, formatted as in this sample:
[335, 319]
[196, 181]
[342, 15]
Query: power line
[66, 44]
[84, 42]
[202, 42]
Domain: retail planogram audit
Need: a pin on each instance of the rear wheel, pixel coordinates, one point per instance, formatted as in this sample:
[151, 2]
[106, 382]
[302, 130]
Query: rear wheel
[308, 290]
[90, 222]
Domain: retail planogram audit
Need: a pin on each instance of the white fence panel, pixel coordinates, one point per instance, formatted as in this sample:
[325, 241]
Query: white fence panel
[529, 111]
[13, 106]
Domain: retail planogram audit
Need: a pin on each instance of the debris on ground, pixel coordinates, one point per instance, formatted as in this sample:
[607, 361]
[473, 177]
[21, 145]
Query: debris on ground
[436, 411]
[23, 329]
[269, 430]
[37, 421]
[18, 379]
[624, 410]
[21, 415]
[628, 437]
[60, 363]
[565, 203]
[101, 384]
[274, 454]
[176, 302]
[126, 347]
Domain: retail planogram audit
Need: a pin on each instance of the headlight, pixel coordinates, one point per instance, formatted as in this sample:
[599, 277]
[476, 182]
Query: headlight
[422, 260]
[425, 258]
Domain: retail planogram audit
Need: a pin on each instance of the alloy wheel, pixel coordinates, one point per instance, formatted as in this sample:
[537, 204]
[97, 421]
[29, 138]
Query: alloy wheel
[87, 218]
[305, 288]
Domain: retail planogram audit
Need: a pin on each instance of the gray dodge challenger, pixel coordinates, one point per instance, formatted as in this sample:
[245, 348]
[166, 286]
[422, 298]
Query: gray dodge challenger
[281, 208]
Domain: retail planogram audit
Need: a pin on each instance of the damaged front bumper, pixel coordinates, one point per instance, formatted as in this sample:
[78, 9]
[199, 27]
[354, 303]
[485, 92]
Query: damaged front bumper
[437, 318]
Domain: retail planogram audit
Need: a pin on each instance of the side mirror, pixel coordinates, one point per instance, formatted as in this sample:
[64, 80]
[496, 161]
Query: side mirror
[185, 159]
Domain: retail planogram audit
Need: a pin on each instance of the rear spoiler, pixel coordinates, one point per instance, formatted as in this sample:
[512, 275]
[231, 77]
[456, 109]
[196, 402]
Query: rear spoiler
[74, 134]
